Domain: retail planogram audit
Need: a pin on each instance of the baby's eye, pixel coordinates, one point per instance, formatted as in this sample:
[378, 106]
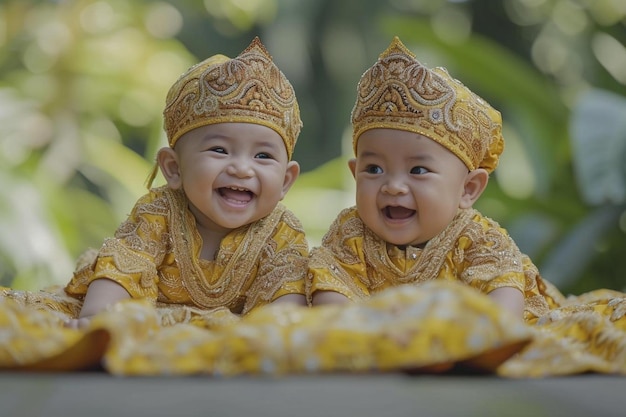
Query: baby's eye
[217, 149]
[419, 170]
[373, 169]
[264, 155]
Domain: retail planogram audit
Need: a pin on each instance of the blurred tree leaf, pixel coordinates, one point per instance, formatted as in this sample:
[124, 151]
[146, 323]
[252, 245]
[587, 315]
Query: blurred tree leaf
[598, 129]
[565, 263]
[120, 163]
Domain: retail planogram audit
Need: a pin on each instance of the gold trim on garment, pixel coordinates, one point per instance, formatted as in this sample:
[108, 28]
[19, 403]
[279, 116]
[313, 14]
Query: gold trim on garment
[237, 268]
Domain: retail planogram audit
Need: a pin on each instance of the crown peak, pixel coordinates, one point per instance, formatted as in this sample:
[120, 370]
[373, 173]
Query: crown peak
[396, 47]
[257, 45]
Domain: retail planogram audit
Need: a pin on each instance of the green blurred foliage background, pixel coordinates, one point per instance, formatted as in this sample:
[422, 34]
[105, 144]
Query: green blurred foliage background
[83, 84]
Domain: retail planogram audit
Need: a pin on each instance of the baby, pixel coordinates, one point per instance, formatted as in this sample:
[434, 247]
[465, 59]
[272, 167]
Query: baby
[215, 236]
[424, 147]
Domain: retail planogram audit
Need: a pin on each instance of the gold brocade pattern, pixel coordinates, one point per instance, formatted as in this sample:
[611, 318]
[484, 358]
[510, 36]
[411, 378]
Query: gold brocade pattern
[473, 249]
[426, 265]
[587, 335]
[155, 255]
[237, 262]
[248, 88]
[398, 92]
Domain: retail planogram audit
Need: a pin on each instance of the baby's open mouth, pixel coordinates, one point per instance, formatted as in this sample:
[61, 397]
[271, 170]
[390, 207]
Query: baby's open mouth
[236, 194]
[398, 212]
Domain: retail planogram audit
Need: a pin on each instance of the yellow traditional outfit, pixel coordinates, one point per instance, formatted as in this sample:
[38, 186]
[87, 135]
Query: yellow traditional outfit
[155, 256]
[473, 250]
[155, 253]
[569, 335]
[421, 310]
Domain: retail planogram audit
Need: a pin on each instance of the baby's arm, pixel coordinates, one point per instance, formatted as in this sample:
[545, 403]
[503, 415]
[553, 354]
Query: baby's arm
[100, 294]
[328, 297]
[510, 299]
[298, 299]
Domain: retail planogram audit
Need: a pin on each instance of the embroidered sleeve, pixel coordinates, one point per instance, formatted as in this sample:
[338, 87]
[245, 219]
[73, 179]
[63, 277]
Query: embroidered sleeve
[282, 264]
[488, 258]
[328, 273]
[339, 264]
[131, 257]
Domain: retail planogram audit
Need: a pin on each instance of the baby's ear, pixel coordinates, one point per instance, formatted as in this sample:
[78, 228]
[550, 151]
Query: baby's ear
[475, 183]
[352, 166]
[167, 158]
[291, 174]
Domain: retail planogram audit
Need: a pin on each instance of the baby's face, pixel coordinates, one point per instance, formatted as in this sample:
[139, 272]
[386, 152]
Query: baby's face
[233, 173]
[408, 187]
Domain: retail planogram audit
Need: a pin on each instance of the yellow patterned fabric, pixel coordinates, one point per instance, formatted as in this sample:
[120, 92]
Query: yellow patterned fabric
[473, 250]
[248, 88]
[434, 328]
[398, 92]
[586, 334]
[381, 334]
[155, 255]
[33, 336]
[414, 310]
[570, 335]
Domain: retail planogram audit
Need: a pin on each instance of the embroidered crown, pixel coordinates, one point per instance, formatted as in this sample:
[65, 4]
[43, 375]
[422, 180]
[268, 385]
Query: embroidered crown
[248, 88]
[398, 92]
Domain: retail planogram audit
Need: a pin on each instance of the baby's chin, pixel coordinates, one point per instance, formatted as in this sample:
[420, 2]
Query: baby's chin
[402, 244]
[406, 245]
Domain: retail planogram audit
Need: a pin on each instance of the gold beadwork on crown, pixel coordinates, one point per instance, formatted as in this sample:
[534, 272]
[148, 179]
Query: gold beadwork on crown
[248, 88]
[398, 92]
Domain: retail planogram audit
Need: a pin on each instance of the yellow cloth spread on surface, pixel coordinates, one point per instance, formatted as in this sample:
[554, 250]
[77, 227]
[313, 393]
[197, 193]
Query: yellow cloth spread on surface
[433, 327]
[426, 322]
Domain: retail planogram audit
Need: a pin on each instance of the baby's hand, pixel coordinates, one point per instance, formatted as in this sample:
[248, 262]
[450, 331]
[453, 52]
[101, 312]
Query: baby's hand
[80, 323]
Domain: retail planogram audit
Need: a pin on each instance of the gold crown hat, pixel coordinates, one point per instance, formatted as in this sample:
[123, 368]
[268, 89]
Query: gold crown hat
[398, 92]
[248, 88]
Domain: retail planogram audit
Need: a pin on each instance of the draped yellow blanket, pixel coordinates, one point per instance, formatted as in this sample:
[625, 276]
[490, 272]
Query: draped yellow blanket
[428, 323]
[438, 326]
